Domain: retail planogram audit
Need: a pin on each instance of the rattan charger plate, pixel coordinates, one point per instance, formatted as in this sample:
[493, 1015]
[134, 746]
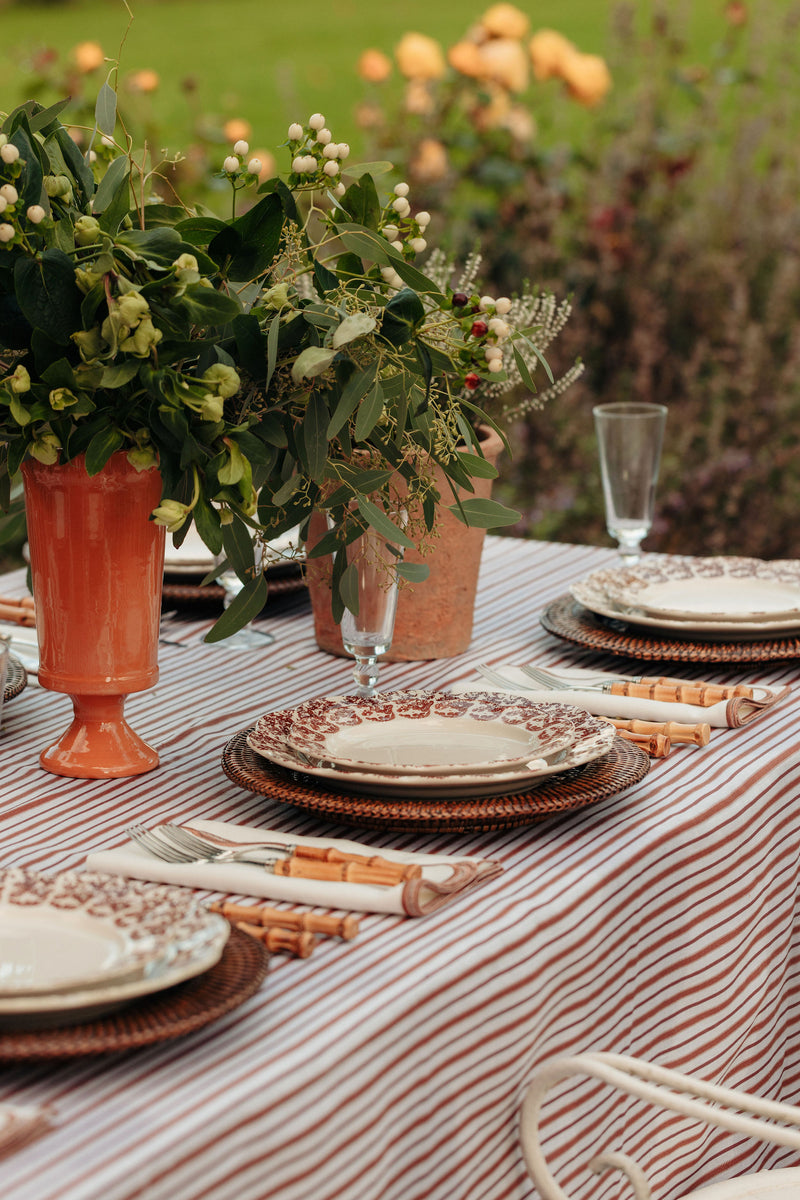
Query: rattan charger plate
[568, 619]
[16, 678]
[178, 1011]
[624, 766]
[174, 590]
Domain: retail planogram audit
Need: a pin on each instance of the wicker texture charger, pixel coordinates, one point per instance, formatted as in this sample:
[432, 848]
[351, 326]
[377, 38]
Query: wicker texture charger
[173, 1013]
[173, 592]
[568, 619]
[16, 678]
[625, 765]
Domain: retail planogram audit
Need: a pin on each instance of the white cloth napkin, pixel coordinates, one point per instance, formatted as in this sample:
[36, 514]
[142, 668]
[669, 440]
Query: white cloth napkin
[727, 714]
[444, 877]
[21, 1123]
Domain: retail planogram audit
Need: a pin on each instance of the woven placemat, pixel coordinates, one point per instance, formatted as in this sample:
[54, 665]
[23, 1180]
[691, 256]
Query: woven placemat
[170, 1014]
[16, 679]
[569, 620]
[173, 592]
[625, 765]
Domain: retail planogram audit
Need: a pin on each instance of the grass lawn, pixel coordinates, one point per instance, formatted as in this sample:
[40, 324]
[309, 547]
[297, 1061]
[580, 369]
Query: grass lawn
[267, 62]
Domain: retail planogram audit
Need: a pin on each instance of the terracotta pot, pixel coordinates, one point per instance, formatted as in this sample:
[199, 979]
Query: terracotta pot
[434, 618]
[97, 563]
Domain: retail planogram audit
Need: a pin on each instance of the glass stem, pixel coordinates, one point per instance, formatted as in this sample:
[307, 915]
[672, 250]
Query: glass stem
[365, 673]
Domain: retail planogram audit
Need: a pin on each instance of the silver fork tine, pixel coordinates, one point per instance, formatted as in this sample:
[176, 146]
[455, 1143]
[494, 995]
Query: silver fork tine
[155, 846]
[185, 840]
[498, 680]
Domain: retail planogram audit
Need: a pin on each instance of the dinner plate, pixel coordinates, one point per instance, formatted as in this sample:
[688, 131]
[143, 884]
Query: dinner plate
[592, 594]
[719, 589]
[76, 944]
[594, 738]
[193, 557]
[434, 733]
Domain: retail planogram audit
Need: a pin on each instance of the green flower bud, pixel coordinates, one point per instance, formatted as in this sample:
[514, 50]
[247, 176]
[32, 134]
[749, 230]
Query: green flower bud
[58, 187]
[277, 296]
[20, 381]
[61, 398]
[87, 231]
[186, 262]
[142, 340]
[45, 449]
[223, 379]
[212, 408]
[171, 513]
[131, 309]
[90, 343]
[142, 458]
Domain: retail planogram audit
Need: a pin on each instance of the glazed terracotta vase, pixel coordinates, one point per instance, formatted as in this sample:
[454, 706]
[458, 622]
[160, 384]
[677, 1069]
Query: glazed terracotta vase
[434, 618]
[97, 562]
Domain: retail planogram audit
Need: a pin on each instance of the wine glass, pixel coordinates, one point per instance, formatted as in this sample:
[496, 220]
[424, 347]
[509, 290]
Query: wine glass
[367, 632]
[629, 436]
[248, 637]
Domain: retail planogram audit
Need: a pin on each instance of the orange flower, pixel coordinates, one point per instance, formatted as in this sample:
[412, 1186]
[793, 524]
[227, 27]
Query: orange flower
[237, 129]
[504, 62]
[88, 56]
[430, 162]
[144, 80]
[736, 13]
[548, 50]
[420, 57]
[374, 66]
[505, 21]
[587, 78]
[418, 99]
[465, 57]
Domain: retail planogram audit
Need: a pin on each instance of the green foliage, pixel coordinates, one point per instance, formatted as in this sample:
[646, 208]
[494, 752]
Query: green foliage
[288, 358]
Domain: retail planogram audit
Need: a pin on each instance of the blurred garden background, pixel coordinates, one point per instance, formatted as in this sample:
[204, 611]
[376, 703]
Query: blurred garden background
[639, 159]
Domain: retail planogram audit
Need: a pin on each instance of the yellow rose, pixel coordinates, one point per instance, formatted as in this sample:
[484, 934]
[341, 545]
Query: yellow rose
[430, 163]
[143, 81]
[505, 21]
[587, 77]
[548, 50]
[88, 56]
[504, 62]
[420, 57]
[374, 66]
[465, 57]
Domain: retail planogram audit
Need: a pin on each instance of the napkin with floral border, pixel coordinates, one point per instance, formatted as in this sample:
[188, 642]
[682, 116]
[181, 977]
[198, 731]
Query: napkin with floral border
[444, 877]
[727, 714]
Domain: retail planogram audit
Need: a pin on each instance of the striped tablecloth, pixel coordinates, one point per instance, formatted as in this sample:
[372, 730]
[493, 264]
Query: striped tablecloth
[660, 923]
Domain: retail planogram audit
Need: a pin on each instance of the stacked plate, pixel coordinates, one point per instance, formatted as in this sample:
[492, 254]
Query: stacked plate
[407, 744]
[76, 945]
[719, 597]
[193, 557]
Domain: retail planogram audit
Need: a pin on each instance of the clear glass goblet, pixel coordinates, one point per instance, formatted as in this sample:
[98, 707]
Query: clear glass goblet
[367, 632]
[249, 637]
[629, 438]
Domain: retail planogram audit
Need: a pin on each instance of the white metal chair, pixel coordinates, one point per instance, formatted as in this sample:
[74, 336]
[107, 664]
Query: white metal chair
[721, 1107]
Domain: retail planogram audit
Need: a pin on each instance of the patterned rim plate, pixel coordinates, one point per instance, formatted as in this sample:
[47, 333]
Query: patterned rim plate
[682, 588]
[75, 942]
[269, 740]
[624, 765]
[174, 1013]
[602, 593]
[432, 733]
[16, 679]
[568, 619]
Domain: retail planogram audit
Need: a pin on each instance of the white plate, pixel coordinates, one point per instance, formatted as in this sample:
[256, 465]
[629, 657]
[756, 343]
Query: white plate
[75, 944]
[592, 594]
[435, 733]
[193, 556]
[593, 739]
[682, 588]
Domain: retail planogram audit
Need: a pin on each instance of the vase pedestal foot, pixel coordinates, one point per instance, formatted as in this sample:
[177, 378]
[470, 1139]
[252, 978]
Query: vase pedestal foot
[99, 743]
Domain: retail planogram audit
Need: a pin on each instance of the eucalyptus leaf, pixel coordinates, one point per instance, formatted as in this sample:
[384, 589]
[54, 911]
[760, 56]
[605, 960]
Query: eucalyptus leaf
[484, 514]
[241, 611]
[312, 362]
[413, 572]
[355, 326]
[369, 413]
[105, 109]
[348, 586]
[382, 524]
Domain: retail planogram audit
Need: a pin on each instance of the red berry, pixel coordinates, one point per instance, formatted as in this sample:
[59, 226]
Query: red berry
[460, 300]
[479, 329]
[472, 380]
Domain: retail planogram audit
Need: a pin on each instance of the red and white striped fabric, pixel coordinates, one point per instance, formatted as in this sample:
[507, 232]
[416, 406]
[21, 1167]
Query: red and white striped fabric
[660, 923]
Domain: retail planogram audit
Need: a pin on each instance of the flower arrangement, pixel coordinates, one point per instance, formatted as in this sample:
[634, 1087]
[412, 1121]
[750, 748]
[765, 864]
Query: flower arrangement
[289, 357]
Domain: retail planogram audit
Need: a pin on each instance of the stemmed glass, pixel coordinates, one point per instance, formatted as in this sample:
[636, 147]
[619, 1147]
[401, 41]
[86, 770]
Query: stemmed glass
[248, 637]
[367, 631]
[629, 436]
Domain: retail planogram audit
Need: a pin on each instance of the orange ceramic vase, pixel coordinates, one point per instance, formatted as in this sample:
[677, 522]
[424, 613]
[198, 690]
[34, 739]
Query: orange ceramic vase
[96, 564]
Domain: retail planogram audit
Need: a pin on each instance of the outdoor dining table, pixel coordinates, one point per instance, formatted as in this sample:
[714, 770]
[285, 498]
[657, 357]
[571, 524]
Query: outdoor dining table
[659, 922]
